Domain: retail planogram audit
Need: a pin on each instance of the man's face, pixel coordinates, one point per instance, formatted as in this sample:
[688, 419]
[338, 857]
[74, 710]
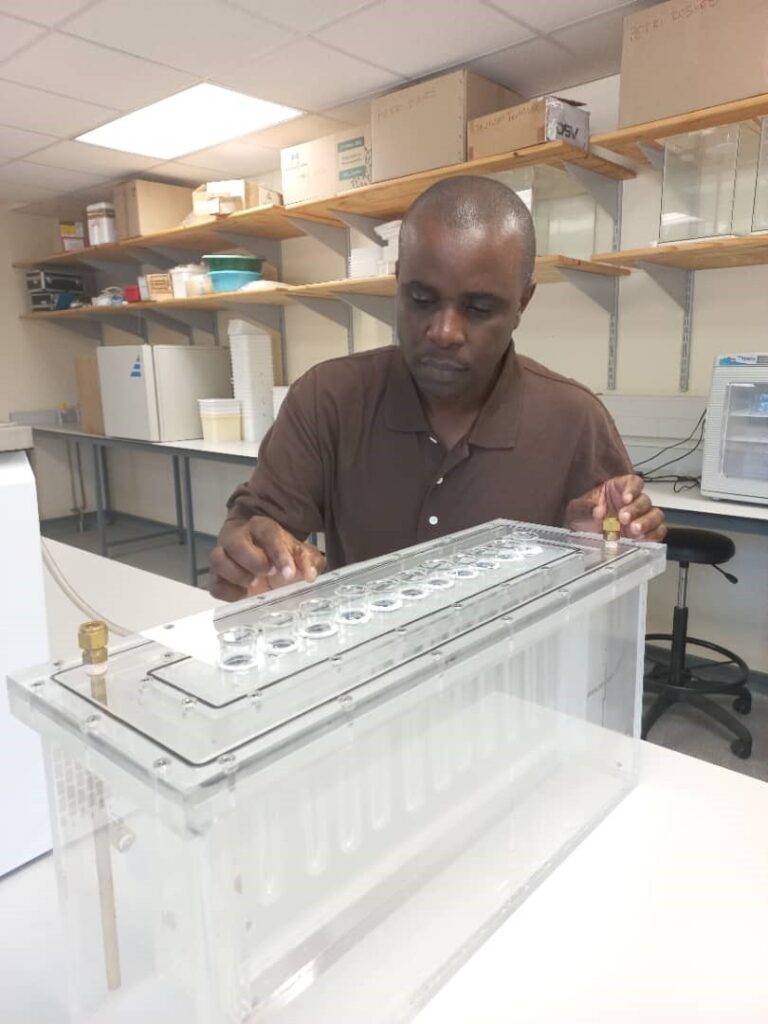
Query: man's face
[460, 296]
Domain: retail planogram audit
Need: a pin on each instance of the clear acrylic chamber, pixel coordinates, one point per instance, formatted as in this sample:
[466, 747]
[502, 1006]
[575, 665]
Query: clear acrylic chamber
[760, 217]
[708, 183]
[565, 215]
[323, 836]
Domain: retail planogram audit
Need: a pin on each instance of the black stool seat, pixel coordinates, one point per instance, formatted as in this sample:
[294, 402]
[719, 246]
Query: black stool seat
[677, 673]
[703, 547]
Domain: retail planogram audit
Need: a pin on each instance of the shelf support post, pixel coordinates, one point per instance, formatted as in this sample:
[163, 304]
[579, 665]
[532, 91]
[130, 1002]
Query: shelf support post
[678, 285]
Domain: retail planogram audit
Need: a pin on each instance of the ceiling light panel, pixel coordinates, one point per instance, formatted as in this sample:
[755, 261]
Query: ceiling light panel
[194, 119]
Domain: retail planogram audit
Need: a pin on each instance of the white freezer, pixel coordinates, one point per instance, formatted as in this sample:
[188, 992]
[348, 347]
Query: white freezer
[150, 392]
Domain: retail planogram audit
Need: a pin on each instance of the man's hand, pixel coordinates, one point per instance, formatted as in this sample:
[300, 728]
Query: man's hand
[258, 556]
[622, 497]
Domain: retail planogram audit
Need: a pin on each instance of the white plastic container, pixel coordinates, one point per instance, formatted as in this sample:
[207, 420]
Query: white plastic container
[221, 419]
[188, 281]
[101, 223]
[252, 376]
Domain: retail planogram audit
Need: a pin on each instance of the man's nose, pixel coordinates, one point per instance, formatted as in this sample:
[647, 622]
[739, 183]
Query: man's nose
[446, 328]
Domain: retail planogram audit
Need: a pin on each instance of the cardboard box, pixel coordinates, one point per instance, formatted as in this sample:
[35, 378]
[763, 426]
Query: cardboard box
[327, 166]
[89, 394]
[425, 125]
[159, 287]
[549, 119]
[220, 198]
[689, 54]
[146, 207]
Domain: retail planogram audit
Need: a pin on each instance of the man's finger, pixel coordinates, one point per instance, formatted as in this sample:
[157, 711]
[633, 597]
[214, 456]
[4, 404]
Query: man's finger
[637, 508]
[277, 545]
[310, 562]
[239, 546]
[225, 591]
[647, 526]
[225, 568]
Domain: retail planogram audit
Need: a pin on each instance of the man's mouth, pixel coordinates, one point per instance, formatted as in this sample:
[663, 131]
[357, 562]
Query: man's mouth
[440, 367]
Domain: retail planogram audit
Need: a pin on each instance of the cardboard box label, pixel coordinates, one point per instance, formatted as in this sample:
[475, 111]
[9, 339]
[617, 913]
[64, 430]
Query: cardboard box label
[353, 160]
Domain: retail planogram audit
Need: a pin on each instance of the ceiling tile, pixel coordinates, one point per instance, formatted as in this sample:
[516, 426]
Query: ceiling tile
[46, 12]
[54, 178]
[14, 142]
[14, 34]
[531, 69]
[17, 192]
[308, 75]
[413, 39]
[300, 129]
[239, 159]
[596, 43]
[204, 37]
[74, 67]
[181, 174]
[95, 160]
[301, 15]
[39, 111]
[357, 112]
[554, 14]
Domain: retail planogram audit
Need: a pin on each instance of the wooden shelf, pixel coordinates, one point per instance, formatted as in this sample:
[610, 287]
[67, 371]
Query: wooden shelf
[261, 222]
[547, 272]
[625, 140]
[548, 268]
[385, 286]
[388, 199]
[712, 254]
[279, 296]
[382, 200]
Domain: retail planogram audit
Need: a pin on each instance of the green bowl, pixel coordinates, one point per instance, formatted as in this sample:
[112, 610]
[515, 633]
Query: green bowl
[251, 264]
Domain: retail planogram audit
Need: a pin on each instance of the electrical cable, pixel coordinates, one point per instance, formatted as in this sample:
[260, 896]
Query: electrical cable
[71, 594]
[670, 447]
[678, 458]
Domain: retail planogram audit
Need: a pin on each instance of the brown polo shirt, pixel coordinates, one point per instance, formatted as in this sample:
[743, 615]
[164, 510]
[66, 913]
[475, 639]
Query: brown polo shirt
[352, 455]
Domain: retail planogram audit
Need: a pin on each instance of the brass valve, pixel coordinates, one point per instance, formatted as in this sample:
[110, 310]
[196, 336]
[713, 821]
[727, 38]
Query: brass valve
[92, 638]
[611, 530]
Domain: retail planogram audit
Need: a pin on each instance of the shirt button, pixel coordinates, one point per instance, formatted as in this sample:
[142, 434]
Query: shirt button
[433, 520]
[438, 482]
[433, 439]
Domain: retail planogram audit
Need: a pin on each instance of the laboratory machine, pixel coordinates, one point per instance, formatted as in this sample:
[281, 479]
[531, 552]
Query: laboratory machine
[311, 807]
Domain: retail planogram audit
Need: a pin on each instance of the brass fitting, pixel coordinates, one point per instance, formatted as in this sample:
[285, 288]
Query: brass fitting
[611, 530]
[92, 638]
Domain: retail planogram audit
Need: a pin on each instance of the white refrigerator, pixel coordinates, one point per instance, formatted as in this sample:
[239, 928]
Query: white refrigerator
[24, 823]
[150, 392]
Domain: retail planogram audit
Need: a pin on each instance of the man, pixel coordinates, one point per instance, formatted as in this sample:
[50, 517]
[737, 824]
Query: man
[384, 449]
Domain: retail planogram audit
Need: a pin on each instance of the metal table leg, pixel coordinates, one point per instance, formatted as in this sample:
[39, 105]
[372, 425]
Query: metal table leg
[107, 490]
[179, 502]
[101, 519]
[189, 521]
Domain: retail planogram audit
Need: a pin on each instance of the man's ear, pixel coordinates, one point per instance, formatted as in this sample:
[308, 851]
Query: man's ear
[527, 296]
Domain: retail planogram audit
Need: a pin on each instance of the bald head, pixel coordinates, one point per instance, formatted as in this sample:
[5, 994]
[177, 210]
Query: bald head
[478, 205]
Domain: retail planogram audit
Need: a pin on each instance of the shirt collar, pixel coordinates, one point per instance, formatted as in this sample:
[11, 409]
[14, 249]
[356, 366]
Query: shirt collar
[495, 427]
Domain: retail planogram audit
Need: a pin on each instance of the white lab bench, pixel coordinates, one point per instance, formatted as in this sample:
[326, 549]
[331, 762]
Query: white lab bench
[659, 915]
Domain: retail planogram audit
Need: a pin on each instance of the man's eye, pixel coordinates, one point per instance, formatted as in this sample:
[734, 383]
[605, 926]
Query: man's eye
[479, 310]
[421, 300]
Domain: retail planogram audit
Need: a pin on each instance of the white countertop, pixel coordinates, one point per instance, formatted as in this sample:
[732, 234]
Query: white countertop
[692, 500]
[247, 449]
[660, 915]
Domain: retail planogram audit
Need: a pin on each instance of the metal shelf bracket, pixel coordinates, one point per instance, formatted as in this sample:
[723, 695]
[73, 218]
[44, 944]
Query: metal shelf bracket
[332, 309]
[333, 237]
[362, 223]
[605, 191]
[605, 292]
